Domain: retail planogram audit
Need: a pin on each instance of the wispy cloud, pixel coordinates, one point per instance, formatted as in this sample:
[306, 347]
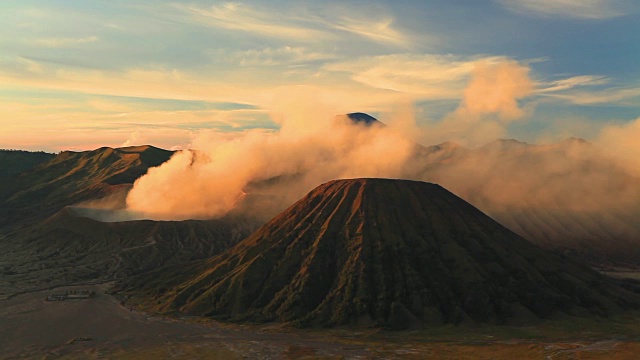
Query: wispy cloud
[285, 55]
[381, 31]
[61, 124]
[569, 83]
[432, 75]
[283, 25]
[65, 42]
[611, 96]
[236, 16]
[181, 84]
[581, 9]
[589, 90]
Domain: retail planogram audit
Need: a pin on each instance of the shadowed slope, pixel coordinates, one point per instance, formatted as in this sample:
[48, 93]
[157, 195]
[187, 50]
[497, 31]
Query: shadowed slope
[388, 253]
[67, 248]
[16, 161]
[47, 240]
[72, 177]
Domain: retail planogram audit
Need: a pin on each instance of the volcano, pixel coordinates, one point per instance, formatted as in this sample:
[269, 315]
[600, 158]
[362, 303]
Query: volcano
[388, 253]
[69, 178]
[52, 209]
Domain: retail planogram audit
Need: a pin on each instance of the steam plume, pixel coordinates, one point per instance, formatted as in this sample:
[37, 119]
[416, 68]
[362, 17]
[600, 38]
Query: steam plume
[489, 104]
[311, 147]
[261, 172]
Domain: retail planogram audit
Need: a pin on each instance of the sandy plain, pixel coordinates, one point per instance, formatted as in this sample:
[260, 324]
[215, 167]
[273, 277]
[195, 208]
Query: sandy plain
[101, 327]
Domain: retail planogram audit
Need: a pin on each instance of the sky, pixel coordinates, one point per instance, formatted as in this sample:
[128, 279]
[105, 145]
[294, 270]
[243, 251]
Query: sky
[77, 75]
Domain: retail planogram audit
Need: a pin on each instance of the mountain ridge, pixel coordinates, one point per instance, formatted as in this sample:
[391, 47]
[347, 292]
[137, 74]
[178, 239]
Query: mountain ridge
[71, 177]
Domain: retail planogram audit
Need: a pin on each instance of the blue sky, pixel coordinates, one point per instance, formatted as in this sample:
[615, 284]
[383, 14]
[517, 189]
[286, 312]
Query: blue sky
[84, 74]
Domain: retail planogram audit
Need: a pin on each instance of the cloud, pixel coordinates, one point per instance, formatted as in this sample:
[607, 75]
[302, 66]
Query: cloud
[156, 82]
[611, 96]
[285, 55]
[489, 104]
[434, 76]
[30, 65]
[261, 22]
[280, 24]
[496, 88]
[311, 147]
[569, 83]
[567, 90]
[621, 141]
[581, 9]
[379, 31]
[417, 74]
[143, 82]
[557, 128]
[60, 123]
[82, 137]
[65, 42]
[389, 80]
[135, 138]
[102, 105]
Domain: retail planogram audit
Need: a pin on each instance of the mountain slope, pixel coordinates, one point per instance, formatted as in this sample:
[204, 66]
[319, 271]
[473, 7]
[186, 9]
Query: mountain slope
[47, 238]
[390, 253]
[67, 248]
[72, 177]
[16, 161]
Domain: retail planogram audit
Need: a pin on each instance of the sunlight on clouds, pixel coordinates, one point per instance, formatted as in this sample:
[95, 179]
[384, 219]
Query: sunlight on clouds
[379, 31]
[490, 102]
[611, 96]
[565, 90]
[149, 83]
[584, 9]
[560, 128]
[109, 106]
[65, 42]
[565, 84]
[52, 121]
[30, 65]
[622, 140]
[235, 16]
[112, 67]
[285, 55]
[316, 27]
[433, 76]
[496, 88]
[63, 126]
[176, 84]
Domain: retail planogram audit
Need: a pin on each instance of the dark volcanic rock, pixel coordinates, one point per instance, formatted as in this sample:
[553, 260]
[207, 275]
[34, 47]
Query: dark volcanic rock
[362, 118]
[390, 253]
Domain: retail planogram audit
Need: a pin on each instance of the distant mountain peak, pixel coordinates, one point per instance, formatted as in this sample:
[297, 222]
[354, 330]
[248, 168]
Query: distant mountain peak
[363, 118]
[505, 144]
[446, 146]
[575, 140]
[140, 148]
